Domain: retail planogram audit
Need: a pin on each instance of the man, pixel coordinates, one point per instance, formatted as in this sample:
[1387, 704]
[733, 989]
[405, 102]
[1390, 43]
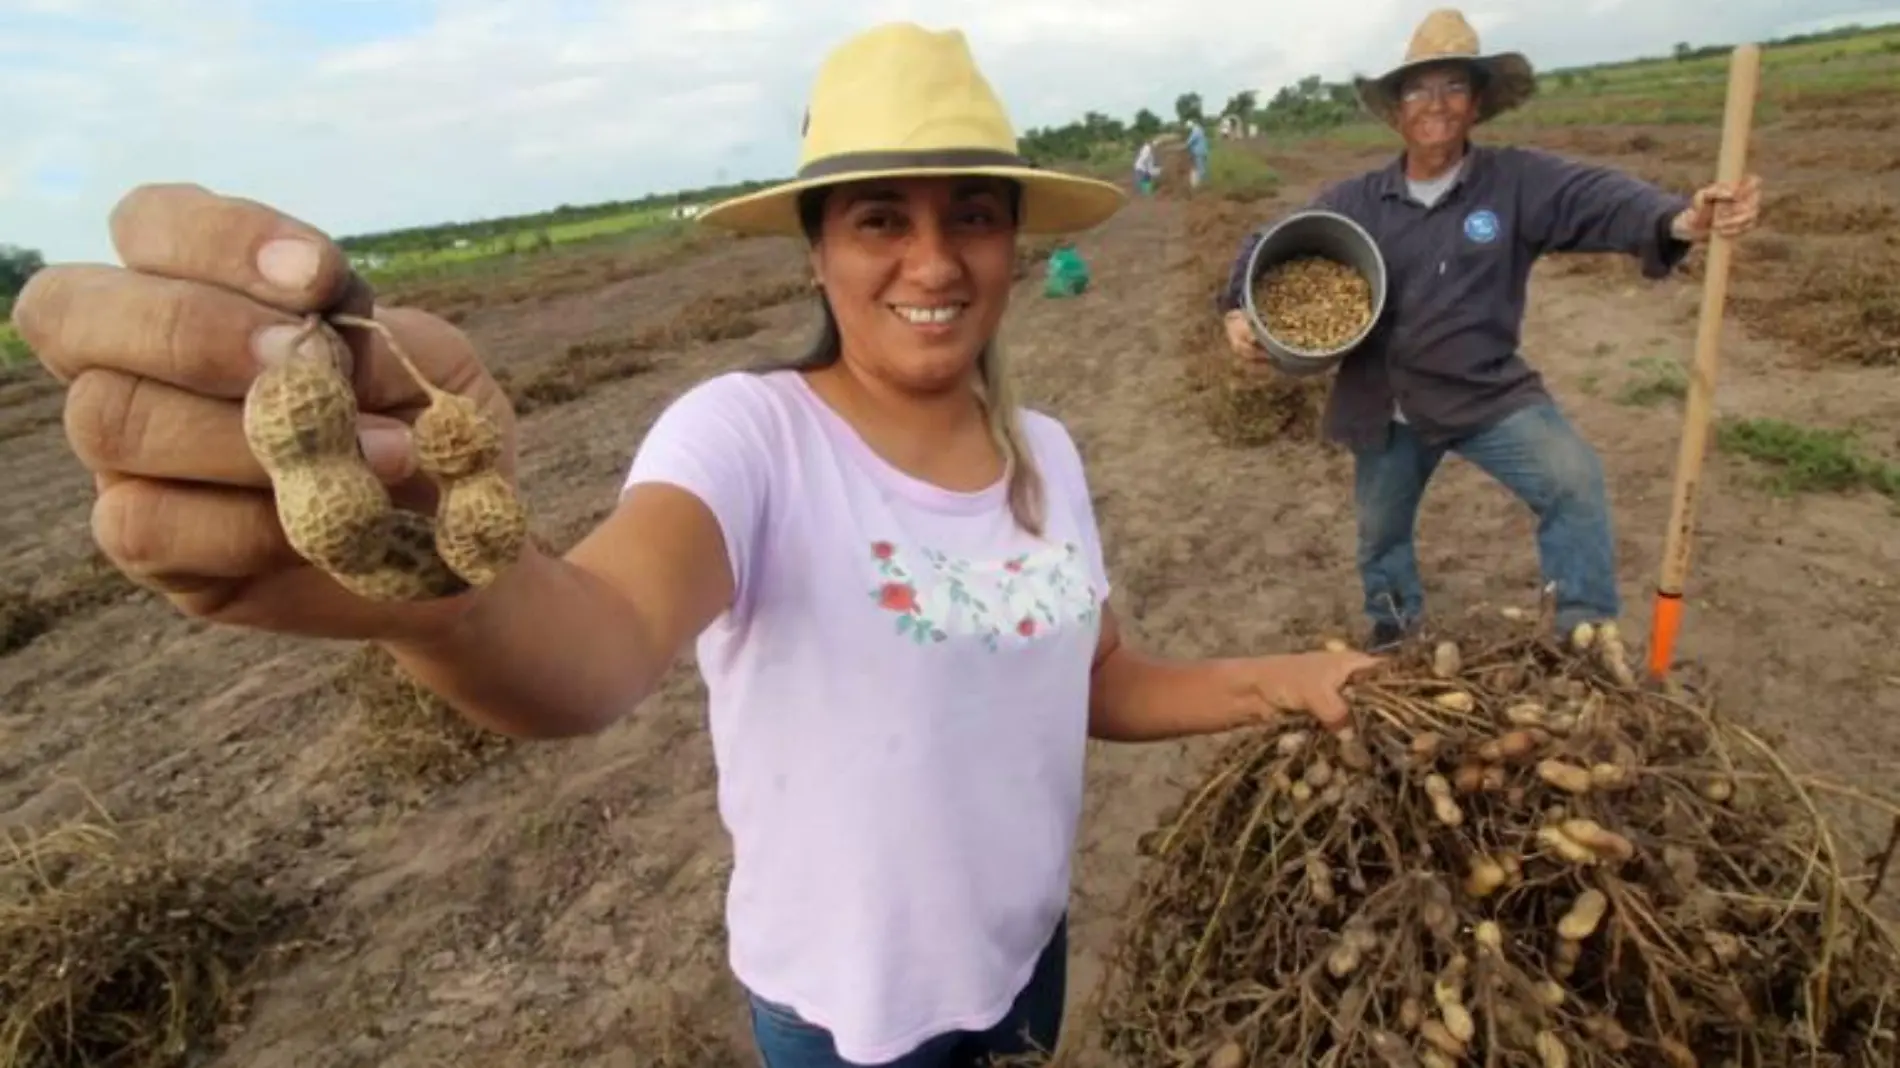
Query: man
[1459, 226]
[1197, 149]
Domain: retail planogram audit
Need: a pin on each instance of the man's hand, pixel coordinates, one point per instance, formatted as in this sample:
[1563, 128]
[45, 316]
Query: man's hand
[1240, 336]
[1729, 210]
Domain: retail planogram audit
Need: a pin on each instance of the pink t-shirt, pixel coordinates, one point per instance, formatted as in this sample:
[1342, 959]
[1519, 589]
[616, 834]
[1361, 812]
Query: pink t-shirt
[899, 711]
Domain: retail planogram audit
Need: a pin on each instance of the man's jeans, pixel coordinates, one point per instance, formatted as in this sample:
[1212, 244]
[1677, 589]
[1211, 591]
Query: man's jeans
[1034, 1022]
[1537, 455]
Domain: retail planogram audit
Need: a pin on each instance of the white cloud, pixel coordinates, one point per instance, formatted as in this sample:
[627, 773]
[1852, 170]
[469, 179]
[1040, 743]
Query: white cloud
[360, 116]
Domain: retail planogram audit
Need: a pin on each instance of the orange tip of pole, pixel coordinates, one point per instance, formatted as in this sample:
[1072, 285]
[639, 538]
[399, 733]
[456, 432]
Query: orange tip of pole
[1664, 623]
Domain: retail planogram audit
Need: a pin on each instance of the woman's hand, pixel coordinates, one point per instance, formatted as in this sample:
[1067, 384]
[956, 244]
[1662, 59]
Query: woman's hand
[1311, 683]
[157, 357]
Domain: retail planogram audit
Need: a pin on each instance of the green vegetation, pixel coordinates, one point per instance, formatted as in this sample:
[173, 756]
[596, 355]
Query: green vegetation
[565, 223]
[1240, 175]
[1806, 459]
[13, 351]
[445, 248]
[16, 266]
[497, 253]
[1657, 380]
[1687, 86]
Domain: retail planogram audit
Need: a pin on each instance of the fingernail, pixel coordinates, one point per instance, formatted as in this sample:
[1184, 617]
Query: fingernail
[274, 344]
[388, 452]
[289, 262]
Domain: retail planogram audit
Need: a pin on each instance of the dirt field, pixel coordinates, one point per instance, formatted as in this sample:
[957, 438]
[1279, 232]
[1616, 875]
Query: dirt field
[561, 903]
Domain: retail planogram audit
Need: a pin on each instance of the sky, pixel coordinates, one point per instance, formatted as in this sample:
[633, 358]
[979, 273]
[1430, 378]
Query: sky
[362, 115]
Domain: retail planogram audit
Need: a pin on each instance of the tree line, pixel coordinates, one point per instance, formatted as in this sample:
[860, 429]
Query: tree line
[437, 236]
[16, 266]
[1307, 106]
[1312, 105]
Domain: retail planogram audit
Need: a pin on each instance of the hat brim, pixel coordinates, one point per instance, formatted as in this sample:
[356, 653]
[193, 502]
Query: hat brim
[1510, 81]
[1053, 202]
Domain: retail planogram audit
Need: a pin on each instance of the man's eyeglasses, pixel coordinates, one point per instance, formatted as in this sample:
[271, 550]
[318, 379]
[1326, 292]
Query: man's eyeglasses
[1419, 94]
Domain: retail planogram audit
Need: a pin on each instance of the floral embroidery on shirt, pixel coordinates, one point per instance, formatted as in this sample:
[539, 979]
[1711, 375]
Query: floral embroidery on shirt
[1019, 598]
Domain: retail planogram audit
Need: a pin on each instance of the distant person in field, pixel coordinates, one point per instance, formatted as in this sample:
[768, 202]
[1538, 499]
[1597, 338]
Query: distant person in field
[1197, 149]
[1146, 169]
[1459, 225]
[890, 571]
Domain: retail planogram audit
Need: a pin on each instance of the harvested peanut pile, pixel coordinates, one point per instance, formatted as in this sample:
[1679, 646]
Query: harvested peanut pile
[1511, 859]
[1313, 303]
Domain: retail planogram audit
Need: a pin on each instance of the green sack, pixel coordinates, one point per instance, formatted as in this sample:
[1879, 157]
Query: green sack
[1067, 275]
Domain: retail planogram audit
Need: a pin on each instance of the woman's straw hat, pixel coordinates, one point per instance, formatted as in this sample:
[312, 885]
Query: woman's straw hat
[1444, 35]
[899, 100]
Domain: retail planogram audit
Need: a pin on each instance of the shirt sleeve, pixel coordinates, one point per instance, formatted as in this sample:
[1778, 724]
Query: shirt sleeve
[1567, 206]
[714, 442]
[1066, 480]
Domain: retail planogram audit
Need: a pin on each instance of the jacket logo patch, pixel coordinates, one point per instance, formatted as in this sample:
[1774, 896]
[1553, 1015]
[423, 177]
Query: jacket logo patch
[1482, 226]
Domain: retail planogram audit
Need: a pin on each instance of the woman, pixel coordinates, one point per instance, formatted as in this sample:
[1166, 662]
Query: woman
[891, 572]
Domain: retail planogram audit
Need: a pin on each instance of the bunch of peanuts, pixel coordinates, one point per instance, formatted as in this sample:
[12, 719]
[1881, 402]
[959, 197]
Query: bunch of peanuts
[300, 422]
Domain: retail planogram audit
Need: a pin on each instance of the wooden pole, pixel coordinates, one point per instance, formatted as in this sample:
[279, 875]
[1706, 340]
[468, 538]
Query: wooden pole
[1743, 73]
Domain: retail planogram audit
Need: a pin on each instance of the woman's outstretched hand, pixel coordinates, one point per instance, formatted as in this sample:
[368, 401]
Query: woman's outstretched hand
[1311, 683]
[157, 356]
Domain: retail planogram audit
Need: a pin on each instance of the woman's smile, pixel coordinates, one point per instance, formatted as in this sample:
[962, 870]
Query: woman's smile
[932, 320]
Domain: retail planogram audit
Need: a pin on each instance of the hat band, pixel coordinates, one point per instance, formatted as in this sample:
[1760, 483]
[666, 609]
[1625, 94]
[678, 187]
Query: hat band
[931, 159]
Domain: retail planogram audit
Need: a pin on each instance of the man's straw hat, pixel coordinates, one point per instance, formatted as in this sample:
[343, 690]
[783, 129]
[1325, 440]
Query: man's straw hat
[900, 101]
[1505, 79]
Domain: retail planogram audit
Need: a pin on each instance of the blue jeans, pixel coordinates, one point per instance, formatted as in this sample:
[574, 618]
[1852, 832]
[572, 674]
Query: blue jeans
[1034, 1022]
[1537, 455]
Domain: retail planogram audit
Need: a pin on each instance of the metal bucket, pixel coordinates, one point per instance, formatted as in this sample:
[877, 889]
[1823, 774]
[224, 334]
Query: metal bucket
[1313, 233]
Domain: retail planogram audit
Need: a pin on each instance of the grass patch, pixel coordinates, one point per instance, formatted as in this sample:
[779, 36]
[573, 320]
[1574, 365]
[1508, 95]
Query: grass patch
[1239, 175]
[13, 350]
[1808, 459]
[124, 949]
[1656, 380]
[388, 267]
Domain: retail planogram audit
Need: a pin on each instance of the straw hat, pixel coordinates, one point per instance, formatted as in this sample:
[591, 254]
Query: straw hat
[1505, 79]
[899, 101]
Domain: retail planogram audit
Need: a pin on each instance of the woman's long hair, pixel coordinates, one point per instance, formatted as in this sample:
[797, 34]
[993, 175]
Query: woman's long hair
[994, 391]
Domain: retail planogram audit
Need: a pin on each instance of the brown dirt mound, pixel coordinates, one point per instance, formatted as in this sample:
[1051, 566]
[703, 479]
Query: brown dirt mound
[704, 321]
[1837, 304]
[404, 735]
[1814, 212]
[30, 611]
[28, 383]
[534, 278]
[1242, 406]
[1512, 858]
[121, 949]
